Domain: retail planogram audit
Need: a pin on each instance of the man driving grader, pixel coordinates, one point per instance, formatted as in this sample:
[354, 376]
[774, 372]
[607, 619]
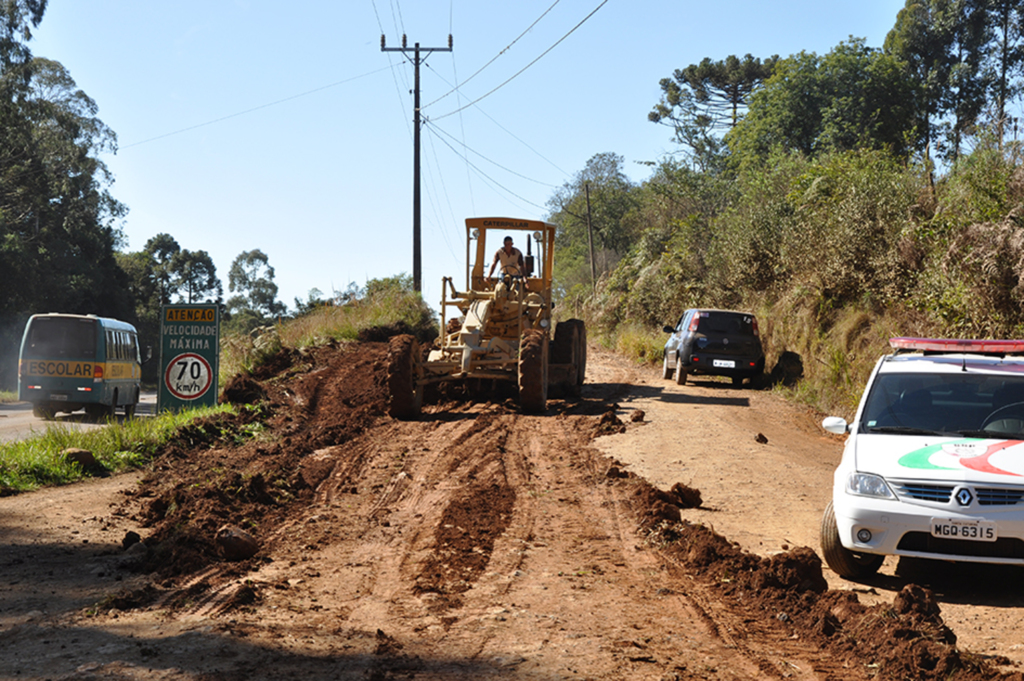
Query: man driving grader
[504, 328]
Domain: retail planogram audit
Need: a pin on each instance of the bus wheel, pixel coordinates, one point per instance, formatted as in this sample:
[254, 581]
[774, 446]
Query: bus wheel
[129, 409]
[42, 412]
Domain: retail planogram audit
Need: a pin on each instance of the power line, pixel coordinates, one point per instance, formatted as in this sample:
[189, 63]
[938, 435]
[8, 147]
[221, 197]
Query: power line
[255, 108]
[495, 57]
[504, 129]
[520, 71]
[495, 163]
[429, 125]
[394, 72]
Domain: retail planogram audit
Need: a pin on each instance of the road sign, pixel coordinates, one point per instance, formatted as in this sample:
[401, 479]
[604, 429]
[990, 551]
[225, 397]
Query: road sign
[189, 352]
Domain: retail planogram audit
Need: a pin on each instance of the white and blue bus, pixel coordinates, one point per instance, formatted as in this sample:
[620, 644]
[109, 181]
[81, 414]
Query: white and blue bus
[70, 362]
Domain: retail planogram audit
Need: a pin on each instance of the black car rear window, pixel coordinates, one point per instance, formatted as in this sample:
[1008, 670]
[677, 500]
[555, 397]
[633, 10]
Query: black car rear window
[726, 322]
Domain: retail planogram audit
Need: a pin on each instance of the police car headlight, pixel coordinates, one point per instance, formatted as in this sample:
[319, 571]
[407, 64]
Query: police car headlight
[868, 485]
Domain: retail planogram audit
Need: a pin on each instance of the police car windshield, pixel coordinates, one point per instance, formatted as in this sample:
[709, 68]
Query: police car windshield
[966, 404]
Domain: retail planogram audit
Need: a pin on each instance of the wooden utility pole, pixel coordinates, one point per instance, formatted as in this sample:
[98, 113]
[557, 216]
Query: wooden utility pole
[590, 240]
[417, 262]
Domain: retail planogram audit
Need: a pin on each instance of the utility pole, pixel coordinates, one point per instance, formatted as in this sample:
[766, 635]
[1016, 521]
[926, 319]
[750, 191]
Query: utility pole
[417, 266]
[590, 240]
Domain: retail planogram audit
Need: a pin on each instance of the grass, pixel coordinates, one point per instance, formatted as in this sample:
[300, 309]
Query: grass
[36, 461]
[7, 396]
[385, 305]
[640, 344]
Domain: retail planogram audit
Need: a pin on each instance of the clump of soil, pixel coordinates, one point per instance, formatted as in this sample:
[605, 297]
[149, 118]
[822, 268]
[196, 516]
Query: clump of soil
[247, 469]
[242, 389]
[905, 640]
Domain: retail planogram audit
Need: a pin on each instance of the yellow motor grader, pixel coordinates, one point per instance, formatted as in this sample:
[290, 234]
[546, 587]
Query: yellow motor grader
[503, 331]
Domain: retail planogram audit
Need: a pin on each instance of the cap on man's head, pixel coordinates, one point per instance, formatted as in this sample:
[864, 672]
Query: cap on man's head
[508, 239]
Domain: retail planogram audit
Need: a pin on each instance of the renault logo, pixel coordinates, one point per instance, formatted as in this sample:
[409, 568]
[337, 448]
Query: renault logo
[963, 497]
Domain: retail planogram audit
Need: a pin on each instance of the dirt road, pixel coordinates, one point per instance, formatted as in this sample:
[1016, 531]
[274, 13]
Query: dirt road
[474, 543]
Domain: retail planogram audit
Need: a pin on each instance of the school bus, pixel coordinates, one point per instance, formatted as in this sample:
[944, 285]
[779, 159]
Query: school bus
[70, 362]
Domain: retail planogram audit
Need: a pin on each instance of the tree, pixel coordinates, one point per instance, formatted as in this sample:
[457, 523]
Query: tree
[855, 97]
[195, 277]
[597, 201]
[969, 80]
[1007, 19]
[58, 221]
[702, 101]
[162, 249]
[252, 277]
[922, 40]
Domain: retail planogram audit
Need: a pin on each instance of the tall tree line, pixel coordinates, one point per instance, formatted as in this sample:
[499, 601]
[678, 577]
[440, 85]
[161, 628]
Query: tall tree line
[947, 72]
[59, 224]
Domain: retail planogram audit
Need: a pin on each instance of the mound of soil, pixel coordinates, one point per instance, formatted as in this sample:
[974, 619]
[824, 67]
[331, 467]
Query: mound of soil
[428, 523]
[252, 469]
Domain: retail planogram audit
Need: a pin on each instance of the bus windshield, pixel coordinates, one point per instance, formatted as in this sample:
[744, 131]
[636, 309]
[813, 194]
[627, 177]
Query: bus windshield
[61, 338]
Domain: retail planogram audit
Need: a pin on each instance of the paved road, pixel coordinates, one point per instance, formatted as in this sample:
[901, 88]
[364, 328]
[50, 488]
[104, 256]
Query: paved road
[17, 421]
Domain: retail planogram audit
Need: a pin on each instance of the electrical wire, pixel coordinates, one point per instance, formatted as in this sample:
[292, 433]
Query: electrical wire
[520, 71]
[394, 74]
[255, 108]
[506, 130]
[495, 163]
[481, 173]
[444, 192]
[495, 57]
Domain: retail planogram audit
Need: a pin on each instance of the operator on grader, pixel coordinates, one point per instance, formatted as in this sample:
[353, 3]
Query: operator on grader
[511, 259]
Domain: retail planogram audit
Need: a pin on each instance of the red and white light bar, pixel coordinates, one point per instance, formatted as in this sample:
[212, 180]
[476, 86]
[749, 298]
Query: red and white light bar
[999, 347]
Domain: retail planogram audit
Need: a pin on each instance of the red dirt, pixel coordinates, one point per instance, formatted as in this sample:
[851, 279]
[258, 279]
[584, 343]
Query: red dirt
[477, 542]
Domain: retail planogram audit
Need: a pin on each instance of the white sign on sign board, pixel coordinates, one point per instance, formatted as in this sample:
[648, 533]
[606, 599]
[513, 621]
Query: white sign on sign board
[188, 376]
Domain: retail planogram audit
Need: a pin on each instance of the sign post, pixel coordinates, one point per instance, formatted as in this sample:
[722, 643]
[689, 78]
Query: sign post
[189, 352]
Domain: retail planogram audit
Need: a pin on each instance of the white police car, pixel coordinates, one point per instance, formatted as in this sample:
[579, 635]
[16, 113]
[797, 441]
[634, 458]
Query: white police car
[934, 462]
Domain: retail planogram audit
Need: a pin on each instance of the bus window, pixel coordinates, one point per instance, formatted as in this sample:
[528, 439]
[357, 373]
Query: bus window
[61, 338]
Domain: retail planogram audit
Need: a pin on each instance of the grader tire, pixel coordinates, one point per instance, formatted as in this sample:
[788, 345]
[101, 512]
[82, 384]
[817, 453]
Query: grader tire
[533, 363]
[581, 370]
[570, 347]
[406, 398]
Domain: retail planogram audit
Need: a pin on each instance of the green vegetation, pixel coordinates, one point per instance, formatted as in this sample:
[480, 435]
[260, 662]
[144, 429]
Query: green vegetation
[8, 396]
[843, 198]
[37, 461]
[389, 302]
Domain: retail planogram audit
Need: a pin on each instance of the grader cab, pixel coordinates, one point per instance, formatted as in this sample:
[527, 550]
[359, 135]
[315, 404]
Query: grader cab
[503, 329]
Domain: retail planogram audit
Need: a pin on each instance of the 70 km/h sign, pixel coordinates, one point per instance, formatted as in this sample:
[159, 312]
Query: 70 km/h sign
[188, 376]
[189, 350]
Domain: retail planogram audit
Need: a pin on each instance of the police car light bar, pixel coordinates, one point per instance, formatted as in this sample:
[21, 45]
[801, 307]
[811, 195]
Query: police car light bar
[998, 347]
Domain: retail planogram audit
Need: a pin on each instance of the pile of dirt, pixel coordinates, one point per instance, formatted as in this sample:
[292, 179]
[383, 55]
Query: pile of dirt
[266, 467]
[253, 468]
[907, 639]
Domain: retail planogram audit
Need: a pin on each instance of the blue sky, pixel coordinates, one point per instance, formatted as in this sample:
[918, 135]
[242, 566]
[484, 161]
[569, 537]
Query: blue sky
[247, 124]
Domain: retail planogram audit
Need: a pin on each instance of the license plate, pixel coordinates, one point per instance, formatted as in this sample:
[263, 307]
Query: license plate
[724, 364]
[59, 398]
[971, 530]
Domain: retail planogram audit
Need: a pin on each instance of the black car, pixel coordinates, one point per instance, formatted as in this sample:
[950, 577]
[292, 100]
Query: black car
[715, 342]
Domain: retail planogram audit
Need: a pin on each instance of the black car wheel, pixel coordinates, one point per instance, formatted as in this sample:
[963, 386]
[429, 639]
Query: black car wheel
[681, 372]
